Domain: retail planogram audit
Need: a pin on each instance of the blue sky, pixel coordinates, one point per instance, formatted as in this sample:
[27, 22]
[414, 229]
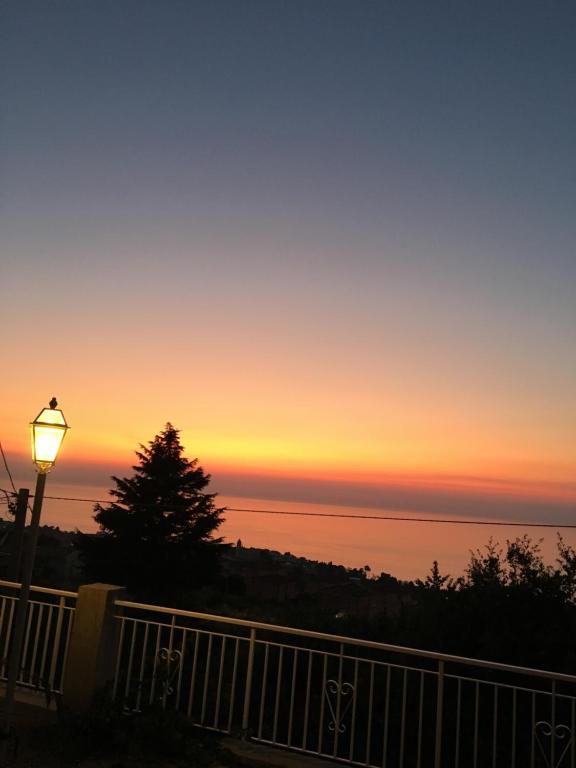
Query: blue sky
[320, 237]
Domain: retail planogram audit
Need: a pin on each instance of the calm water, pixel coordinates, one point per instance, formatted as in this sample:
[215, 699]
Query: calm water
[405, 549]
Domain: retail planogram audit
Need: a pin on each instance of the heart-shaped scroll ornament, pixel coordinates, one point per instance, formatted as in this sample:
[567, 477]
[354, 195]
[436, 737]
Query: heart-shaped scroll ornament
[339, 697]
[167, 665]
[553, 742]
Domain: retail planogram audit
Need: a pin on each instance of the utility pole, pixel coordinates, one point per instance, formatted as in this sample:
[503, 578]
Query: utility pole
[17, 542]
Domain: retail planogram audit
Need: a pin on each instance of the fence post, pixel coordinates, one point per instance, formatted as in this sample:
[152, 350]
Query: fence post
[439, 715]
[93, 647]
[249, 676]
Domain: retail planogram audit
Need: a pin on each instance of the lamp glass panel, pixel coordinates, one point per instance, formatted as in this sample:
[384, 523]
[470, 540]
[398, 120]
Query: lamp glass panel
[47, 441]
[51, 416]
[48, 430]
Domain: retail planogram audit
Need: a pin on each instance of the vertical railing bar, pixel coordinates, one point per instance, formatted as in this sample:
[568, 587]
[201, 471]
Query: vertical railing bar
[206, 678]
[45, 645]
[3, 603]
[533, 732]
[10, 607]
[307, 701]
[321, 722]
[403, 717]
[70, 612]
[513, 754]
[292, 692]
[181, 670]
[370, 708]
[3, 600]
[249, 680]
[9, 626]
[142, 666]
[495, 727]
[130, 662]
[573, 730]
[119, 656]
[338, 701]
[354, 699]
[24, 654]
[193, 674]
[277, 698]
[439, 716]
[168, 662]
[553, 725]
[38, 630]
[154, 666]
[220, 676]
[39, 615]
[457, 735]
[476, 725]
[386, 717]
[233, 684]
[263, 691]
[420, 719]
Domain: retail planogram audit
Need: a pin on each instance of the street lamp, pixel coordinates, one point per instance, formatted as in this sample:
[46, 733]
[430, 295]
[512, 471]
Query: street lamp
[48, 430]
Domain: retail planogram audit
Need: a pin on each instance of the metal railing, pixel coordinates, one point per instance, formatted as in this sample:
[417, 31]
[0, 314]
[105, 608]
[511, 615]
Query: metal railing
[354, 701]
[46, 638]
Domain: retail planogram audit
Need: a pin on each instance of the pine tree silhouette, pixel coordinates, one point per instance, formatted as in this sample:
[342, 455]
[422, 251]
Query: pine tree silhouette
[157, 537]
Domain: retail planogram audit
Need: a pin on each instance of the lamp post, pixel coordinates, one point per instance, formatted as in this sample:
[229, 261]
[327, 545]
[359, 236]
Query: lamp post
[48, 430]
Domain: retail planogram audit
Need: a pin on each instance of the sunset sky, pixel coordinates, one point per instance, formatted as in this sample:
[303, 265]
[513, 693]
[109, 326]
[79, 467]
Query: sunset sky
[332, 241]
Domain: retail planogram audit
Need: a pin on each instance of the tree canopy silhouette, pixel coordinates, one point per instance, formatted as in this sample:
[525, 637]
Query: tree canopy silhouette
[508, 606]
[157, 537]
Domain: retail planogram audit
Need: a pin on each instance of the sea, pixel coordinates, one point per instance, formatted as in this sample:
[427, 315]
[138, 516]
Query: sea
[350, 536]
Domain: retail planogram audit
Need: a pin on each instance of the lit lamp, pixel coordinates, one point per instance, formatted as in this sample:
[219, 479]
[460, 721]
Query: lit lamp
[48, 430]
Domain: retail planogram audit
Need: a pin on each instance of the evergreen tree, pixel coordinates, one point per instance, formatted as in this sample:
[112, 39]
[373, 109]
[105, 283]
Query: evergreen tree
[156, 537]
[435, 581]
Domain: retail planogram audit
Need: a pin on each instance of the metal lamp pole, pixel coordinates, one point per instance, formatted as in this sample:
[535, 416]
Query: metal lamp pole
[48, 430]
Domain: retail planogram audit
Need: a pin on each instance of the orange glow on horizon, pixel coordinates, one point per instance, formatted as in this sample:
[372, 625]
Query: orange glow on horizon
[330, 437]
[521, 482]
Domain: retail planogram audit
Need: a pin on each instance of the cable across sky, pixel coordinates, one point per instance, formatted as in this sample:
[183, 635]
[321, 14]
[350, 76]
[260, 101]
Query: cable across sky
[343, 515]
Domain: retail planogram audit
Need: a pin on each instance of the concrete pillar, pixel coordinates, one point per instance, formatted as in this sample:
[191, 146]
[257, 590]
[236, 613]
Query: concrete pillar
[93, 645]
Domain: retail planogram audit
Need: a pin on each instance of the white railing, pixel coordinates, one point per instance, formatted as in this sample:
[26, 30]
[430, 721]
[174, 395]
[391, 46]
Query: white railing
[355, 701]
[46, 636]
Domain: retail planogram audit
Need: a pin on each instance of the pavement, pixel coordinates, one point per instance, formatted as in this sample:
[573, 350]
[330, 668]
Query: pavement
[251, 755]
[32, 711]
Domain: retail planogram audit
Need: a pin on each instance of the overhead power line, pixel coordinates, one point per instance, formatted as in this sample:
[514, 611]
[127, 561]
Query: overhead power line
[7, 468]
[343, 515]
[446, 521]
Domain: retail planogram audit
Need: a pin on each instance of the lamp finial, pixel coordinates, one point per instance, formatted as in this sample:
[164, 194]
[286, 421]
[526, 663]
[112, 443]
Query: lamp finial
[53, 403]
